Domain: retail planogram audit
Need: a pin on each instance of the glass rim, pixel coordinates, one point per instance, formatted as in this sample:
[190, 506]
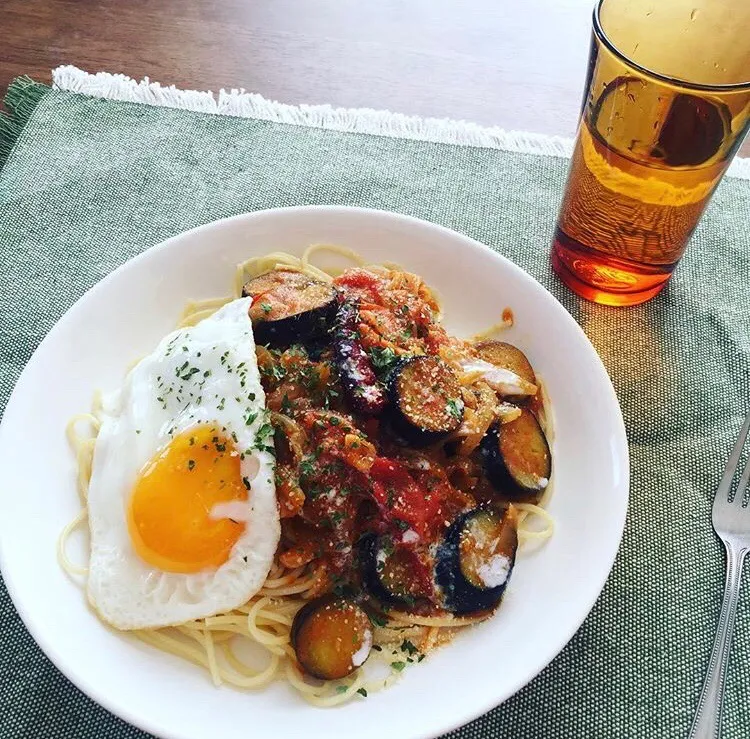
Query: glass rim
[674, 81]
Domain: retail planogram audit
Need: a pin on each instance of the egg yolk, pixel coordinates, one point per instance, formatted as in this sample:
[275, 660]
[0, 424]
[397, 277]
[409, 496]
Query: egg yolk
[172, 516]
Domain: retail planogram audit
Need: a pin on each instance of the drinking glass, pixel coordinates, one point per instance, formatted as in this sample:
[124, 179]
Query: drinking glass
[665, 108]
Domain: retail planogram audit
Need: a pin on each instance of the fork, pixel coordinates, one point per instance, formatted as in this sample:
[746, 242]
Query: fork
[731, 522]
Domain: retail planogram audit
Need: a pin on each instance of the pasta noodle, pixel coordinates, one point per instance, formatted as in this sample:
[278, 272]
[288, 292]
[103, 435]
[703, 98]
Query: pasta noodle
[266, 620]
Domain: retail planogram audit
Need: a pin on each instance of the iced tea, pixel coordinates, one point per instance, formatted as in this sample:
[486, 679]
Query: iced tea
[649, 154]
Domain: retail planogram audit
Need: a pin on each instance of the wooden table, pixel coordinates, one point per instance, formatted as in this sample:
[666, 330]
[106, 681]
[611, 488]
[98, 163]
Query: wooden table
[518, 64]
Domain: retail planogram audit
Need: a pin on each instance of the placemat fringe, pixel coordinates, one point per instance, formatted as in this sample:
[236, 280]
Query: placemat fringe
[22, 96]
[238, 102]
[355, 120]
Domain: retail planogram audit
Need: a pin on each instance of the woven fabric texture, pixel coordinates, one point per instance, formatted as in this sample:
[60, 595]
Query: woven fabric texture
[90, 183]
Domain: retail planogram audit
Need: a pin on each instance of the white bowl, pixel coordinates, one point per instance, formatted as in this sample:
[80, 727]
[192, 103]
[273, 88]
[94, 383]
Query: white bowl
[124, 316]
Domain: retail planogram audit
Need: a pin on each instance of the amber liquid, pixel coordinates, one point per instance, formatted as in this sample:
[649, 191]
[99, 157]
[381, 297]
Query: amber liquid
[631, 204]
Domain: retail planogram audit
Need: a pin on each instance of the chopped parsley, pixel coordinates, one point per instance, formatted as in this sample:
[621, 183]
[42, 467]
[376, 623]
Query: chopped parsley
[264, 438]
[383, 359]
[398, 665]
[306, 467]
[286, 405]
[191, 464]
[455, 408]
[328, 397]
[377, 620]
[185, 372]
[362, 692]
[407, 646]
[276, 371]
[337, 517]
[312, 492]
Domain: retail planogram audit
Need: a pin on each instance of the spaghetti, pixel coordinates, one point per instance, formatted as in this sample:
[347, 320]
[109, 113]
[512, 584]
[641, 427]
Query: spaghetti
[219, 643]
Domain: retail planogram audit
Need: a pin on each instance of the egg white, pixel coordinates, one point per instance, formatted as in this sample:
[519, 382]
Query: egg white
[161, 397]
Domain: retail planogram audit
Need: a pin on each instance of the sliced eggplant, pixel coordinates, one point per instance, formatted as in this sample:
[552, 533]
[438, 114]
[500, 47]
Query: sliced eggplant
[363, 391]
[290, 307]
[331, 636]
[517, 458]
[388, 571]
[507, 356]
[475, 560]
[425, 397]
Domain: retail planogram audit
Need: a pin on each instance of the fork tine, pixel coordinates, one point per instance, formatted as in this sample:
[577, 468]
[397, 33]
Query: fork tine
[734, 459]
[739, 496]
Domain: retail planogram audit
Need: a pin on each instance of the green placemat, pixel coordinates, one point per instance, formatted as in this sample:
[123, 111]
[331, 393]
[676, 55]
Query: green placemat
[88, 183]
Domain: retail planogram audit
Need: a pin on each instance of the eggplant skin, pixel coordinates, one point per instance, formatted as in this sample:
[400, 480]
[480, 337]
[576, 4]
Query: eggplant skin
[407, 434]
[519, 465]
[290, 307]
[303, 328]
[361, 387]
[367, 551]
[460, 596]
[405, 410]
[331, 637]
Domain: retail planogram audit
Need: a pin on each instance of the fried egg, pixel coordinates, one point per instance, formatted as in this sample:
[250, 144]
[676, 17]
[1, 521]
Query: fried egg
[182, 506]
